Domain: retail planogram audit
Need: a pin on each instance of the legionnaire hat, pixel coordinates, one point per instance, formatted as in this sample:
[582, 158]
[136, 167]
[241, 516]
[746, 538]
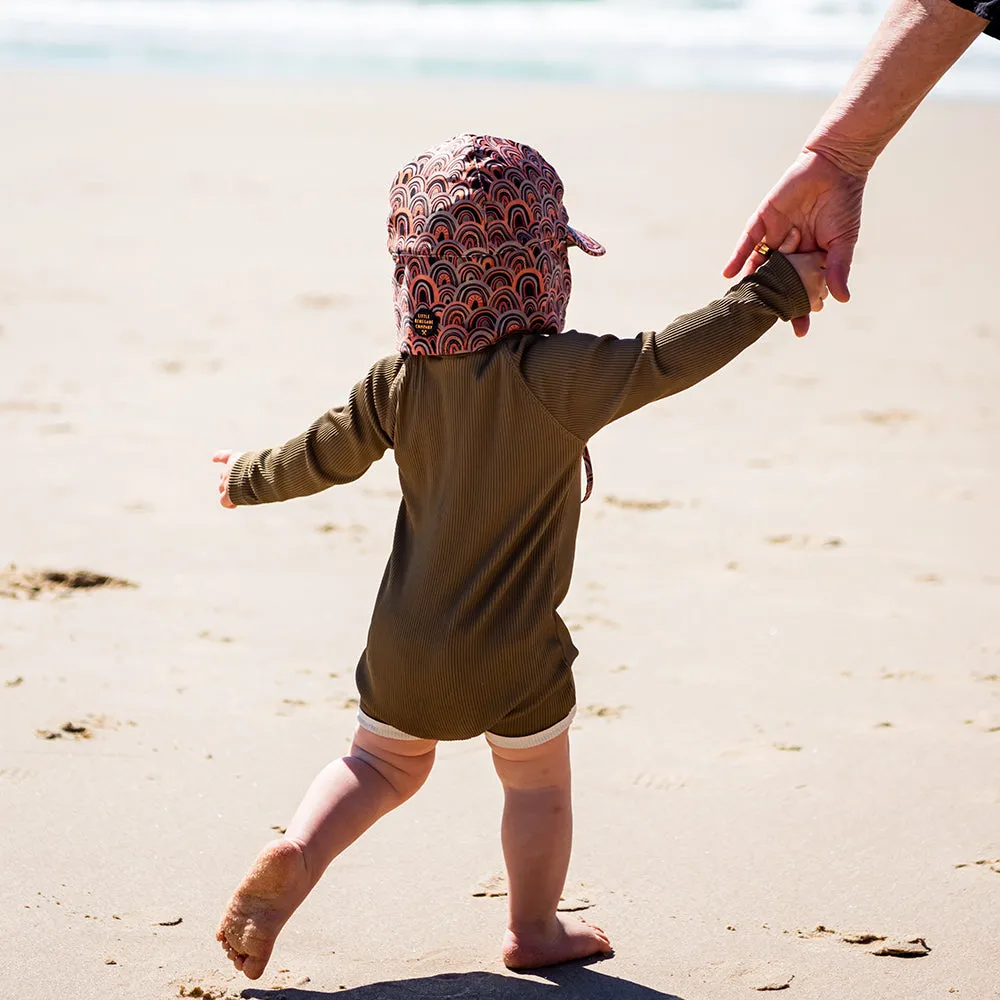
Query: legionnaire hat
[479, 235]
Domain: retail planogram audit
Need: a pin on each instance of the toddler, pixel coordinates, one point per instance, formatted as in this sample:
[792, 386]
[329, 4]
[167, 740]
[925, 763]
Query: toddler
[488, 406]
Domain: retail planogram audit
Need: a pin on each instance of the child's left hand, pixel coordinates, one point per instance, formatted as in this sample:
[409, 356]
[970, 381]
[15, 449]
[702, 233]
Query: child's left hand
[228, 458]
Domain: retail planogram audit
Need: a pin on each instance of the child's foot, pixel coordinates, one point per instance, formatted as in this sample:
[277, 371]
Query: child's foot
[275, 885]
[565, 940]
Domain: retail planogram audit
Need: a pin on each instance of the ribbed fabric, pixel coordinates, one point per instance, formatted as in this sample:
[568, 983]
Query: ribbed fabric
[465, 637]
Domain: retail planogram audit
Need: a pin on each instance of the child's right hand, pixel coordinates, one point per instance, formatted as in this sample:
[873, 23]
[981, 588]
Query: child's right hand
[811, 268]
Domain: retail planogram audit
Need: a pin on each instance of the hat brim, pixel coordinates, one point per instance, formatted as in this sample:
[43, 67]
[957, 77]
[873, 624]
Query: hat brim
[584, 242]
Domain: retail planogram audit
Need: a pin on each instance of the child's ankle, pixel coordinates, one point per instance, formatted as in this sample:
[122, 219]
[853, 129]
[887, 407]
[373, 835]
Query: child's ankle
[539, 927]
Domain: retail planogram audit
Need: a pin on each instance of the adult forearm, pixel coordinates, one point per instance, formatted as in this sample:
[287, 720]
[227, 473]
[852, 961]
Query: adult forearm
[916, 43]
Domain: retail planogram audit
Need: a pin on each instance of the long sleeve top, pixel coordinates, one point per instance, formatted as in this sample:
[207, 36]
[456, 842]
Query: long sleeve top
[465, 629]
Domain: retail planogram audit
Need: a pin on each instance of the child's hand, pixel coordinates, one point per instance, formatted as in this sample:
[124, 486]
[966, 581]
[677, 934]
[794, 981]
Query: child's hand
[228, 458]
[811, 268]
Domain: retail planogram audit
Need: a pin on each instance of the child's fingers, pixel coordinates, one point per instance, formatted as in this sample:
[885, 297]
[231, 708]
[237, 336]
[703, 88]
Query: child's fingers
[791, 242]
[225, 457]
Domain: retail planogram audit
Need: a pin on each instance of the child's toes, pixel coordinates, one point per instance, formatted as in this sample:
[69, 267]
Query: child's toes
[254, 966]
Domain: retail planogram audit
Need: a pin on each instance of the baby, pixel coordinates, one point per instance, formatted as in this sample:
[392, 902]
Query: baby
[488, 406]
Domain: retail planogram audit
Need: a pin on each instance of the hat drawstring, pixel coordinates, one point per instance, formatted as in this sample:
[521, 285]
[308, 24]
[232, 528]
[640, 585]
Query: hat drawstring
[588, 467]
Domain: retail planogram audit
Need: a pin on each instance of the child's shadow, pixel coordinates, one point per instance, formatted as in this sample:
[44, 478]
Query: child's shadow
[573, 983]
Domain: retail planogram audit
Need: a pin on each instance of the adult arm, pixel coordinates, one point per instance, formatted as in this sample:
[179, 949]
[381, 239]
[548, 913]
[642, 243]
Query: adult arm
[337, 448]
[821, 192]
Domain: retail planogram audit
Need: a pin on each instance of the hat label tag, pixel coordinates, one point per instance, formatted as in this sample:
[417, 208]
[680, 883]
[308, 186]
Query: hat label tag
[425, 323]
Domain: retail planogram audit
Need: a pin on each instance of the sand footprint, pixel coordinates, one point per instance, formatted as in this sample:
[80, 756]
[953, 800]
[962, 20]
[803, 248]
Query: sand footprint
[576, 896]
[883, 945]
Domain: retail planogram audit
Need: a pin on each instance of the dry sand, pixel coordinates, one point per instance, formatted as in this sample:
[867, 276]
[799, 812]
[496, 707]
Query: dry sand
[787, 594]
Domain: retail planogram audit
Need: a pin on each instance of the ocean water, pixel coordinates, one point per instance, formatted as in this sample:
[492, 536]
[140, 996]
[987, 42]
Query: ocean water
[803, 45]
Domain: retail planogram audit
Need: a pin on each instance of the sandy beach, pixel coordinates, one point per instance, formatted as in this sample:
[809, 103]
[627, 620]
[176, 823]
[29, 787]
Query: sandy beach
[786, 597]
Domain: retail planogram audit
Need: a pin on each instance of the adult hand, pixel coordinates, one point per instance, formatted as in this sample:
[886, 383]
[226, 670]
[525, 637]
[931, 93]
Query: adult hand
[823, 202]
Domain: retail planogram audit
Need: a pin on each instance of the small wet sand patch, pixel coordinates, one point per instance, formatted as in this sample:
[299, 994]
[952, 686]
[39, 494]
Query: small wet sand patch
[73, 730]
[329, 527]
[659, 782]
[991, 865]
[798, 381]
[591, 618]
[603, 711]
[804, 541]
[29, 584]
[774, 987]
[321, 300]
[207, 634]
[208, 992]
[27, 406]
[627, 504]
[83, 730]
[888, 418]
[904, 675]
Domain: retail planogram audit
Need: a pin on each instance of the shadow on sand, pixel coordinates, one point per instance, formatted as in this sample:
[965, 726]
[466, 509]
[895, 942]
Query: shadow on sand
[573, 982]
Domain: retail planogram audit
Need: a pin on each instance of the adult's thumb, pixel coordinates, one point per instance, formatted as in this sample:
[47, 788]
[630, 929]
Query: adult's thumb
[838, 269]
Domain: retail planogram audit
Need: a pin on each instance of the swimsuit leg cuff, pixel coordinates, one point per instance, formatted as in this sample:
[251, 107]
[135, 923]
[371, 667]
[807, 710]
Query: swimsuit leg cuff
[382, 728]
[535, 739]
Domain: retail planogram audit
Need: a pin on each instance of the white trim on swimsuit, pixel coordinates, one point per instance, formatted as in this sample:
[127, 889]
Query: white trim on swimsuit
[504, 742]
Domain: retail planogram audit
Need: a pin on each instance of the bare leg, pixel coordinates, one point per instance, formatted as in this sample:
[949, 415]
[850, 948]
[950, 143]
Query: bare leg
[345, 798]
[537, 835]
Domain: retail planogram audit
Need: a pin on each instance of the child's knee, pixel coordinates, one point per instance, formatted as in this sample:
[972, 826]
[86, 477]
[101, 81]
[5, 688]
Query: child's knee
[403, 764]
[542, 766]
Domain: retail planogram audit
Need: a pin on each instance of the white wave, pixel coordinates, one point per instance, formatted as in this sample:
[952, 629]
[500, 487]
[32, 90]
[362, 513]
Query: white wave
[808, 44]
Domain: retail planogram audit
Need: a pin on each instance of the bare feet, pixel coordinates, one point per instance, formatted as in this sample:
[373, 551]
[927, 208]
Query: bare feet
[275, 885]
[566, 939]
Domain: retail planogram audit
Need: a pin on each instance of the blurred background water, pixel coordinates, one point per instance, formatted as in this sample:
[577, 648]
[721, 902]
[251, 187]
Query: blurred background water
[761, 45]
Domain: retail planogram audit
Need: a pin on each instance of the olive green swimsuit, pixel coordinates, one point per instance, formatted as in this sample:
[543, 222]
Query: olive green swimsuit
[465, 637]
